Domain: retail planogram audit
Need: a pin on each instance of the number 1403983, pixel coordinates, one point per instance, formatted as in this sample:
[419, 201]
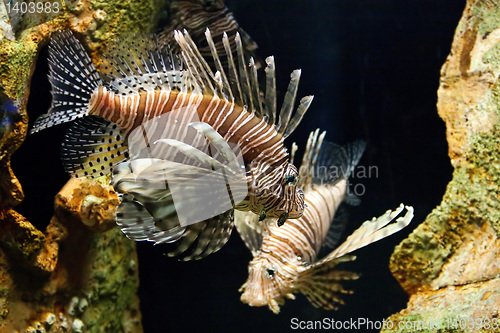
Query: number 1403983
[22, 7]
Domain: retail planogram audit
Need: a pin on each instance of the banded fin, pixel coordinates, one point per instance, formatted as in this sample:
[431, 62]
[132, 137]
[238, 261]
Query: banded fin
[137, 63]
[322, 284]
[196, 16]
[73, 77]
[139, 225]
[250, 229]
[250, 45]
[204, 238]
[93, 147]
[240, 82]
[313, 146]
[289, 123]
[195, 63]
[337, 227]
[149, 210]
[370, 232]
[337, 162]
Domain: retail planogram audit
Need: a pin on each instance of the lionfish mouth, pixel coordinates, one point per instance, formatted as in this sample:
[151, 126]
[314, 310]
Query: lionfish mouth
[253, 299]
[255, 291]
[258, 299]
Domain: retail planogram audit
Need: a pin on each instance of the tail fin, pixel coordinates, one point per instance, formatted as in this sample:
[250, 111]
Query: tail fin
[73, 77]
[337, 162]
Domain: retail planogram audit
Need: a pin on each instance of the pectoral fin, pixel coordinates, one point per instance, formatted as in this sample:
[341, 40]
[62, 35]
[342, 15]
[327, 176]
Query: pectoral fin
[322, 284]
[250, 229]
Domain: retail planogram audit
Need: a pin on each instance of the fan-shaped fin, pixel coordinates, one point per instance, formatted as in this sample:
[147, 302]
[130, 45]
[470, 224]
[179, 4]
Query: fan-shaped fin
[92, 147]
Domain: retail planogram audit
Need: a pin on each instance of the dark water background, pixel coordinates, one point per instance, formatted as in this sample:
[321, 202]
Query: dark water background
[373, 67]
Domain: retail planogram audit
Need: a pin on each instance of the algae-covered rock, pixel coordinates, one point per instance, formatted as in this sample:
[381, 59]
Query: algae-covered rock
[74, 275]
[469, 308]
[79, 274]
[450, 264]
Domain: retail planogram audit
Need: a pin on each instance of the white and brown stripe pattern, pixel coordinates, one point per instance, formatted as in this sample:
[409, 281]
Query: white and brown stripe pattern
[261, 146]
[260, 141]
[143, 81]
[285, 258]
[195, 16]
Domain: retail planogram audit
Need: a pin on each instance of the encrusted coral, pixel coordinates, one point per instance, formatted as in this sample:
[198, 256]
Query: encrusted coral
[450, 264]
[79, 255]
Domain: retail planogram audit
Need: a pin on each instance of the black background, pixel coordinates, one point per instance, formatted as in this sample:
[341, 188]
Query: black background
[373, 67]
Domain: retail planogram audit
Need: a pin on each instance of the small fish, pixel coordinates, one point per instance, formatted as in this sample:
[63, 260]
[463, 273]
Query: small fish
[195, 16]
[9, 115]
[285, 259]
[120, 114]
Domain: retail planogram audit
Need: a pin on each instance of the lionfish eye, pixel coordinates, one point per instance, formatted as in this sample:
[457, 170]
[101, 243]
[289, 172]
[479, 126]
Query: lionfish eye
[269, 273]
[290, 180]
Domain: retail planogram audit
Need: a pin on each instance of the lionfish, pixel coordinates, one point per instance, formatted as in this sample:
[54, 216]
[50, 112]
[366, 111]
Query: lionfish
[196, 16]
[124, 117]
[285, 260]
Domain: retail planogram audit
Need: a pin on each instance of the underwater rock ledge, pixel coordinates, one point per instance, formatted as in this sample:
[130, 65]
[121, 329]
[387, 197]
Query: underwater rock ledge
[450, 264]
[80, 274]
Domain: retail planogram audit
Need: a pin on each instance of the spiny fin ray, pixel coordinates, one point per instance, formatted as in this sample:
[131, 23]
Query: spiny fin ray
[372, 231]
[92, 147]
[239, 81]
[73, 77]
[139, 63]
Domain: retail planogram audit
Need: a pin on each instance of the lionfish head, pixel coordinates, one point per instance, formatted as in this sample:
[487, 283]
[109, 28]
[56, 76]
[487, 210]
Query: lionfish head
[266, 285]
[280, 197]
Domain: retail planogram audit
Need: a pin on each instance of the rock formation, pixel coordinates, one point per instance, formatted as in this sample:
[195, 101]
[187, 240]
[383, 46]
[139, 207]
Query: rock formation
[450, 264]
[79, 274]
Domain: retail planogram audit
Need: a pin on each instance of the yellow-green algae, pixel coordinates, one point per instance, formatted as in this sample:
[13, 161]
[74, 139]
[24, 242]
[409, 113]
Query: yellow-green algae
[124, 17]
[112, 285]
[487, 16]
[16, 61]
[110, 265]
[446, 310]
[491, 57]
[20, 236]
[471, 197]
[473, 194]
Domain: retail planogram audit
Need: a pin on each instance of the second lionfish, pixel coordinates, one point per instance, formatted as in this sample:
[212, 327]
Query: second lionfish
[285, 260]
[196, 16]
[138, 98]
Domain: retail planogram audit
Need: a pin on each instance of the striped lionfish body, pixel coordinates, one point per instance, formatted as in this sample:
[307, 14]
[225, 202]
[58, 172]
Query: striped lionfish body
[142, 84]
[196, 16]
[285, 260]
